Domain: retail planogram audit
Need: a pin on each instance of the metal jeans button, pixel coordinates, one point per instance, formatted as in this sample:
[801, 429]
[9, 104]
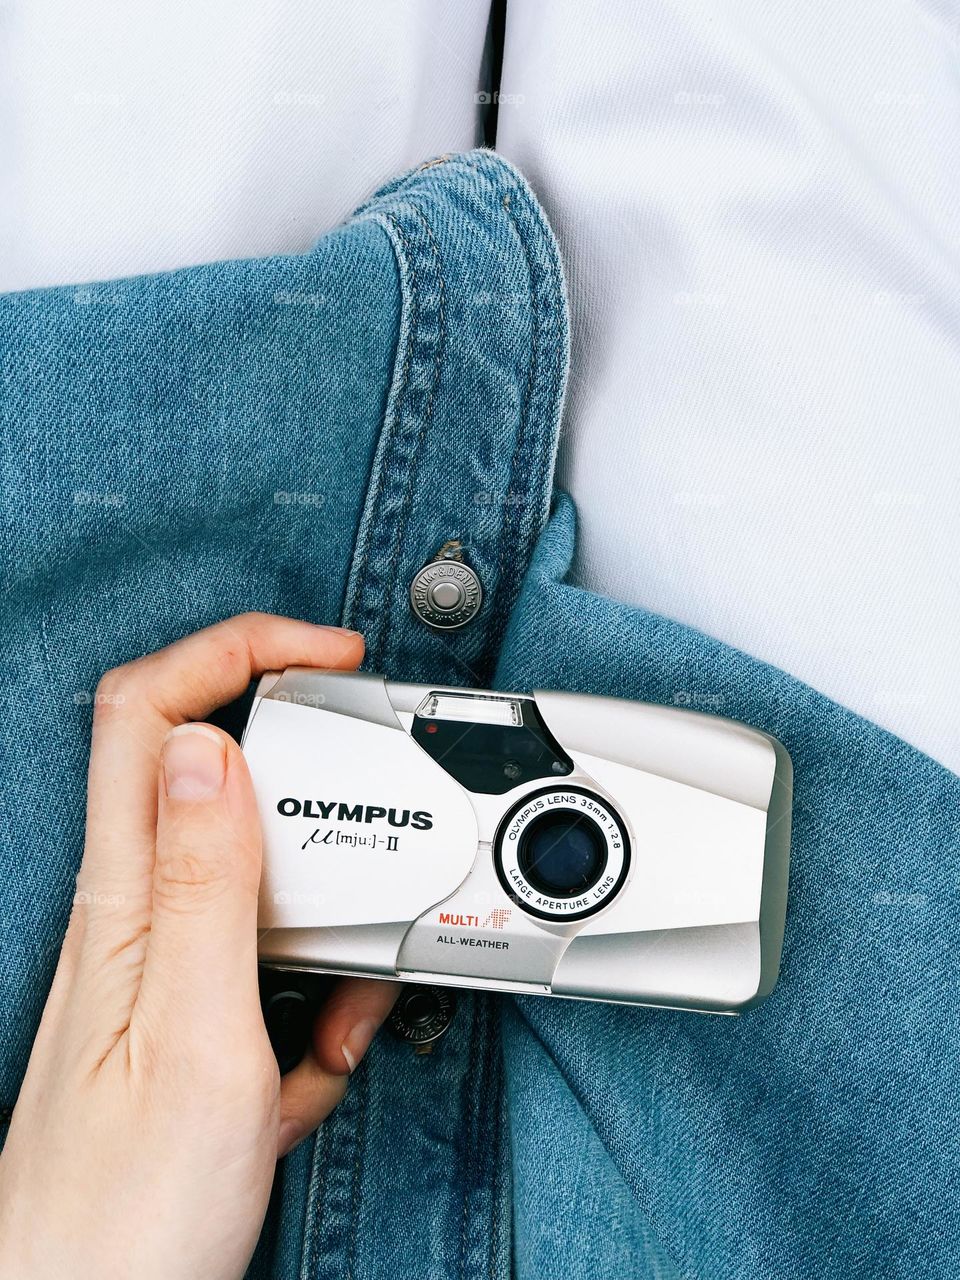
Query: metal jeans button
[422, 1015]
[446, 593]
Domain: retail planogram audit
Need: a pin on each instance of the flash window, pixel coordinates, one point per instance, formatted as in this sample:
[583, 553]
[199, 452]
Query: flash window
[471, 709]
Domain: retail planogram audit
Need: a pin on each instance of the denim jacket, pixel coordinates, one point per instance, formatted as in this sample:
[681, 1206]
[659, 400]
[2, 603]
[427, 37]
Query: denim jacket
[301, 435]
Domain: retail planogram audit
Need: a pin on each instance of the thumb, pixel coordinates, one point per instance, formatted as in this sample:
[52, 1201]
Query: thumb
[201, 959]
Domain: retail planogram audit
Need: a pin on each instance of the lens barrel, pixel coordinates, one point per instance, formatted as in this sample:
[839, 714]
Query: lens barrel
[562, 853]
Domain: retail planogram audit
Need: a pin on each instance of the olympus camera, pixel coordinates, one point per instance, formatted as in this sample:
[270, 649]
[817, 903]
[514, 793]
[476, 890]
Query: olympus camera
[555, 844]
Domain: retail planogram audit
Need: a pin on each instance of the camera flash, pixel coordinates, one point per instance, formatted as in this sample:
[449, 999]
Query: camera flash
[470, 709]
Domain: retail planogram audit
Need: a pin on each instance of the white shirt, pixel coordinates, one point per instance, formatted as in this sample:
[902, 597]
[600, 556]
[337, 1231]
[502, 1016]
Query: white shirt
[759, 206]
[757, 203]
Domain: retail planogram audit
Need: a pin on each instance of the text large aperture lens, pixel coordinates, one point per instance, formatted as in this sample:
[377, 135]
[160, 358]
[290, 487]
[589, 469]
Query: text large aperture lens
[562, 854]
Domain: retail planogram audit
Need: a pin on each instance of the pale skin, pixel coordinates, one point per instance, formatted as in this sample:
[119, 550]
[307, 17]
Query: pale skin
[146, 1134]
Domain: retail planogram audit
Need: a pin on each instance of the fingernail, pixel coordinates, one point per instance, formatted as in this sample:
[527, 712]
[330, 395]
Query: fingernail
[290, 1135]
[343, 631]
[194, 762]
[358, 1041]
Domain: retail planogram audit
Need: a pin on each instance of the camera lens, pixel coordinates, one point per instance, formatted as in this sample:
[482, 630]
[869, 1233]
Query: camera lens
[562, 854]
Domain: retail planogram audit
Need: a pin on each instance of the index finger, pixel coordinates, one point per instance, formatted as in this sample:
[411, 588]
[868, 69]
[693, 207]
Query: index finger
[139, 703]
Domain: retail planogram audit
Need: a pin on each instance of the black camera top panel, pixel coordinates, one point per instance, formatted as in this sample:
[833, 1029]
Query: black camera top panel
[492, 757]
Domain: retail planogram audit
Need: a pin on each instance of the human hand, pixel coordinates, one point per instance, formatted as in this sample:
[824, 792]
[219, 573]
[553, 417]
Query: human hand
[146, 1133]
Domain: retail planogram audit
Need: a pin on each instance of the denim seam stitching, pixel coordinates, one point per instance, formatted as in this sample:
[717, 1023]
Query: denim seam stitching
[504, 549]
[542, 399]
[539, 401]
[470, 1158]
[402, 423]
[358, 584]
[416, 452]
[356, 1180]
[495, 1093]
[541, 394]
[544, 383]
[313, 1207]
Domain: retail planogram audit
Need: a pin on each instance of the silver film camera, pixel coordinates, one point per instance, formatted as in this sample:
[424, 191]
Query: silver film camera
[558, 844]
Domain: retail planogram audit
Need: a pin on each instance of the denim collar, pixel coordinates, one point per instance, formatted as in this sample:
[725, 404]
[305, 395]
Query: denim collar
[469, 439]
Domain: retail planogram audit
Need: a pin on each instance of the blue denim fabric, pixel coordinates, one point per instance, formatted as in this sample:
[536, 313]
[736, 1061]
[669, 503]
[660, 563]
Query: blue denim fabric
[298, 435]
[301, 435]
[817, 1135]
[166, 463]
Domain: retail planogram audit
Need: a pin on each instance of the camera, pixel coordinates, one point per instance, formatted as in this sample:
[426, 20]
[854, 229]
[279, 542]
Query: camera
[550, 843]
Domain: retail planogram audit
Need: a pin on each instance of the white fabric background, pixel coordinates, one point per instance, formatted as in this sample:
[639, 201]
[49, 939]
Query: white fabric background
[139, 137]
[757, 203]
[759, 207]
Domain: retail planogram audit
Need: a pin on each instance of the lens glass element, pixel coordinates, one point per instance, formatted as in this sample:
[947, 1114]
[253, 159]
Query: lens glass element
[562, 854]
